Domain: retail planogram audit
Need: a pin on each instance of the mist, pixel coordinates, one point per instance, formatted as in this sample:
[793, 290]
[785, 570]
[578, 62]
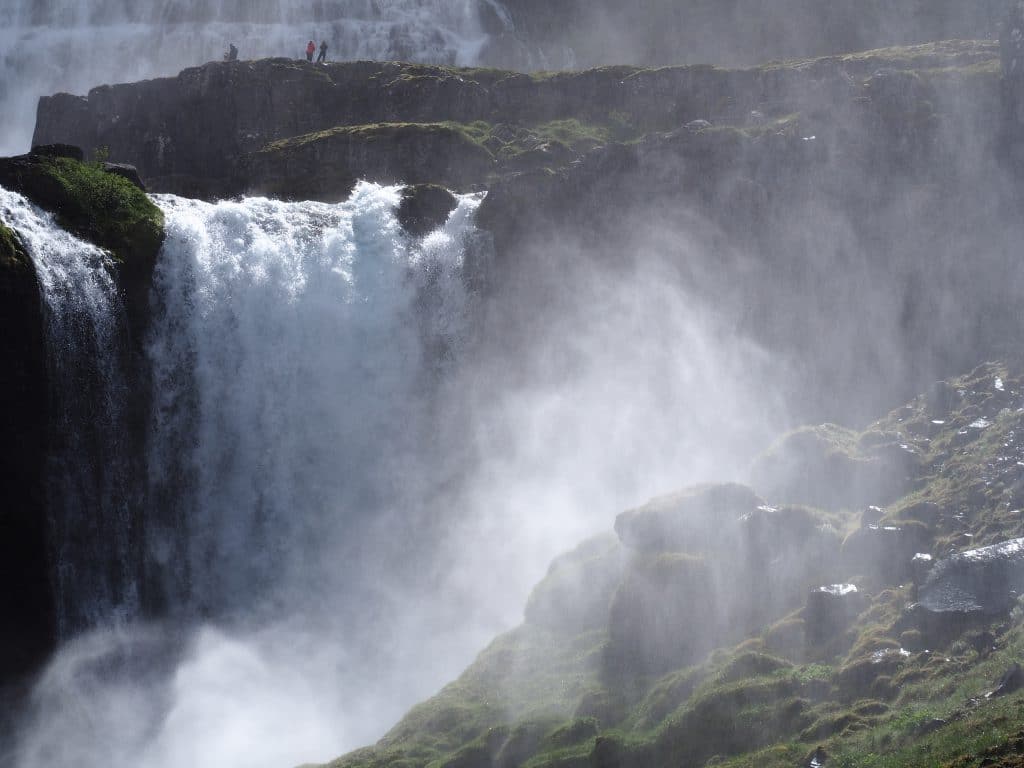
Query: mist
[364, 449]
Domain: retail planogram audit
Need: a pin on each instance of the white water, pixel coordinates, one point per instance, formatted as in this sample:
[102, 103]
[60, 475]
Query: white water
[293, 364]
[89, 510]
[48, 46]
[295, 350]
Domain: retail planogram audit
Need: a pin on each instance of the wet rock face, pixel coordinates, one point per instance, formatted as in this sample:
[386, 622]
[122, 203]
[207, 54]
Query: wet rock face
[424, 208]
[830, 609]
[326, 166]
[832, 467]
[708, 565]
[26, 604]
[885, 552]
[983, 581]
[688, 522]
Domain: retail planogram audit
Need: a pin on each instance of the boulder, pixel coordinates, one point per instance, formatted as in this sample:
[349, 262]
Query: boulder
[128, 172]
[424, 208]
[884, 553]
[691, 521]
[829, 610]
[970, 588]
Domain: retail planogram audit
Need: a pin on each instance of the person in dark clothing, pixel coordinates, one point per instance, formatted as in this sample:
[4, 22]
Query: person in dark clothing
[232, 54]
[310, 50]
[323, 51]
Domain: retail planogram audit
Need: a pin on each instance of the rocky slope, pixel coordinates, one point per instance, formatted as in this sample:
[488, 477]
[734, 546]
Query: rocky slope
[718, 627]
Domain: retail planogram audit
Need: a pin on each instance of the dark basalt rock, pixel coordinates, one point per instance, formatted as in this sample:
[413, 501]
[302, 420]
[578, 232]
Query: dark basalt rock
[829, 610]
[128, 172]
[982, 581]
[424, 208]
[692, 521]
[58, 150]
[969, 589]
[885, 552]
[27, 632]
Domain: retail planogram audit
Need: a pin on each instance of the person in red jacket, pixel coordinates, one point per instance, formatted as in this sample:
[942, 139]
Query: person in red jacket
[310, 50]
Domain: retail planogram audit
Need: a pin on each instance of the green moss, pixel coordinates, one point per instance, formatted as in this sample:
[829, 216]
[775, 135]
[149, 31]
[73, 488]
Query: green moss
[473, 133]
[12, 255]
[104, 208]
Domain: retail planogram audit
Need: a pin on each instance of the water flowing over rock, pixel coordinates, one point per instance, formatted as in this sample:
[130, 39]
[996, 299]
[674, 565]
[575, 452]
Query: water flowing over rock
[90, 514]
[294, 348]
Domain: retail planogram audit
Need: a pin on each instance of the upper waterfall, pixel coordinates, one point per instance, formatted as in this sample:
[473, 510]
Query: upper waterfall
[72, 46]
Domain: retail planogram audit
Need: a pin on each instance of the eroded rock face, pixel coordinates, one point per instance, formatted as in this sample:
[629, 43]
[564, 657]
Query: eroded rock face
[194, 133]
[28, 628]
[708, 566]
[326, 166]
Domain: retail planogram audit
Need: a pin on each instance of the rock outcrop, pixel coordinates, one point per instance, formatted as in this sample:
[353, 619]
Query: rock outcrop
[199, 133]
[101, 205]
[27, 604]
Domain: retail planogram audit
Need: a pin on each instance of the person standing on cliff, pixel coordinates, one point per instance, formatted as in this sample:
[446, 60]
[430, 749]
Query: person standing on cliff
[323, 52]
[310, 50]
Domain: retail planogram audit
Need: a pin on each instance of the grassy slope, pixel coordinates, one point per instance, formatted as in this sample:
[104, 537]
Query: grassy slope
[870, 696]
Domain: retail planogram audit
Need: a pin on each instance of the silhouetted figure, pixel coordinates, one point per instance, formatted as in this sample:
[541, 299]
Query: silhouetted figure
[310, 50]
[323, 51]
[232, 54]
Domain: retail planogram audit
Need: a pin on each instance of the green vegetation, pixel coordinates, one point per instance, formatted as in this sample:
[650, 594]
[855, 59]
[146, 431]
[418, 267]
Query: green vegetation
[102, 207]
[11, 254]
[504, 147]
[877, 692]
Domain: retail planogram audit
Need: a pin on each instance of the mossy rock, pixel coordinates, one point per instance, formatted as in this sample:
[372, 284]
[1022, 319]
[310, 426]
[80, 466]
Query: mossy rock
[575, 596]
[101, 207]
[691, 521]
[833, 467]
[734, 718]
[12, 254]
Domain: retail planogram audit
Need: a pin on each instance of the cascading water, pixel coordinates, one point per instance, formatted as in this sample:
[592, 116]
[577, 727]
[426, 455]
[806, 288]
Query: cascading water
[71, 45]
[297, 351]
[89, 492]
[293, 356]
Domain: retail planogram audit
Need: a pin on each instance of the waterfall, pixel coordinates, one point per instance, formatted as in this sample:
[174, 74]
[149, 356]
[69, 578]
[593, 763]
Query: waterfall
[298, 351]
[88, 487]
[75, 45]
[294, 350]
